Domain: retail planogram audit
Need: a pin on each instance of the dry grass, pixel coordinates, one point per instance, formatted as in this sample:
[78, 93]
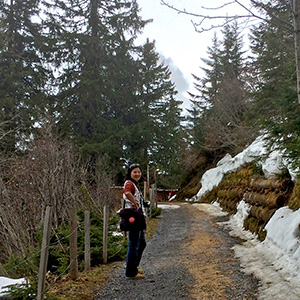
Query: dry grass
[202, 262]
[294, 201]
[89, 283]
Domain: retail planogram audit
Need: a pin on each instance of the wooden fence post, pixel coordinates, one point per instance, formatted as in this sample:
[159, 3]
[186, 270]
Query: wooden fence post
[87, 241]
[105, 233]
[145, 190]
[148, 179]
[155, 194]
[73, 244]
[44, 253]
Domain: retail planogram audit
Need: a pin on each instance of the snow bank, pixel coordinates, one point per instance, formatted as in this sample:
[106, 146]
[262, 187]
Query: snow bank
[214, 176]
[236, 222]
[6, 282]
[283, 233]
[272, 164]
[276, 260]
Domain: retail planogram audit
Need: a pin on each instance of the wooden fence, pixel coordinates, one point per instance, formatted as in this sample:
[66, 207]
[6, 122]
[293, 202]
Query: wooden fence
[73, 245]
[73, 240]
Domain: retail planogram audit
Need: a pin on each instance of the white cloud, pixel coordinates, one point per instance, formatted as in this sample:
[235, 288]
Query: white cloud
[177, 76]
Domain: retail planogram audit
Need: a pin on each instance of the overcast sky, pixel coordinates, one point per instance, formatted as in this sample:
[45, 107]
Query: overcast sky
[176, 40]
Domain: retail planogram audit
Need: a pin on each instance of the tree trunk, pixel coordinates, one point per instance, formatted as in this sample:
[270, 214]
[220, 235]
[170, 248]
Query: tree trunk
[296, 19]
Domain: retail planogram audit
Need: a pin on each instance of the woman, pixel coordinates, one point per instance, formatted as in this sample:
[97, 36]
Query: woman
[136, 238]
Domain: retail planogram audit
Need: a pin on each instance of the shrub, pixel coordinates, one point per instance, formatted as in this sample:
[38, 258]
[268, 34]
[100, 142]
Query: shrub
[155, 211]
[59, 257]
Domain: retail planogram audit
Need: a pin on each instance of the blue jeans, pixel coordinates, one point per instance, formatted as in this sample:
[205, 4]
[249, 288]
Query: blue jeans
[136, 246]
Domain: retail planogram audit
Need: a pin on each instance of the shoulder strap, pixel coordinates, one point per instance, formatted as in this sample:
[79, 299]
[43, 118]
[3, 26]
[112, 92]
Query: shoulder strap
[136, 189]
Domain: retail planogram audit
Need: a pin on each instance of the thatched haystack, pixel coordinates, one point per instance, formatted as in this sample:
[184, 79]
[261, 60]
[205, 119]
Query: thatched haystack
[259, 184]
[262, 213]
[294, 201]
[270, 199]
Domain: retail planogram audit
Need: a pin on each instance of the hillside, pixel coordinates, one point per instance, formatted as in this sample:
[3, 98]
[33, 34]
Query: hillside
[261, 193]
[263, 181]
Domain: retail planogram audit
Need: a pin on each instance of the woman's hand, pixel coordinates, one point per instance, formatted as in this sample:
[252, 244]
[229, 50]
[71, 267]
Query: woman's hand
[134, 205]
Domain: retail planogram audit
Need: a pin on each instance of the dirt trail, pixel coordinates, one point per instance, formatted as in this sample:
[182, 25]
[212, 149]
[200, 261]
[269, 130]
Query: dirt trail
[189, 257]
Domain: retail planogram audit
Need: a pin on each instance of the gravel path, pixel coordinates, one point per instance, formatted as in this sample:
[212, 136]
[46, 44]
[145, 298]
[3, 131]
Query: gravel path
[189, 257]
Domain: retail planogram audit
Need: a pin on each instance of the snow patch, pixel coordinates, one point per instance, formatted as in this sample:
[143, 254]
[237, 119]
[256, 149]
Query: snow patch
[165, 206]
[276, 260]
[213, 210]
[214, 176]
[5, 283]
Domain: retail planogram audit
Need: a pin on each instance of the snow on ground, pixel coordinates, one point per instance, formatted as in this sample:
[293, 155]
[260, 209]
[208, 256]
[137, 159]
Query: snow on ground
[212, 209]
[5, 282]
[166, 206]
[276, 260]
[214, 176]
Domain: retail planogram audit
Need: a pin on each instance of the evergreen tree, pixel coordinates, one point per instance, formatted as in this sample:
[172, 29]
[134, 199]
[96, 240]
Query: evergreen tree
[115, 98]
[275, 97]
[22, 75]
[154, 132]
[97, 71]
[168, 142]
[207, 88]
[222, 101]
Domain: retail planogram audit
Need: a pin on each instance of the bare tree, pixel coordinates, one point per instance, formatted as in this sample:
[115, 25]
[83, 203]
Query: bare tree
[96, 187]
[222, 19]
[225, 129]
[46, 175]
[251, 13]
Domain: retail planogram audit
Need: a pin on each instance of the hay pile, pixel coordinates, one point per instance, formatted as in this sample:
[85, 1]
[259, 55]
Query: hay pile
[231, 190]
[294, 201]
[264, 196]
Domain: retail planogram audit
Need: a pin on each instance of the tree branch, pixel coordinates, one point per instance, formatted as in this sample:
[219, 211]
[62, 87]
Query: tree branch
[225, 17]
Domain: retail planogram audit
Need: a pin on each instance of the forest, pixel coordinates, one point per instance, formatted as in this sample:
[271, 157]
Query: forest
[79, 97]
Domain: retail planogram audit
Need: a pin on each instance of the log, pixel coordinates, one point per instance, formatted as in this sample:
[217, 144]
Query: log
[262, 213]
[231, 205]
[238, 192]
[271, 199]
[260, 184]
[222, 194]
[235, 194]
[243, 182]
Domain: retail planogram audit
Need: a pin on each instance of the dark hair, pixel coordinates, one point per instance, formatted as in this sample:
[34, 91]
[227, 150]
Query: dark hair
[129, 170]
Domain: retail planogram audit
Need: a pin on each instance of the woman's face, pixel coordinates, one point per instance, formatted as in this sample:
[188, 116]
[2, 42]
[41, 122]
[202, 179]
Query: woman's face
[136, 174]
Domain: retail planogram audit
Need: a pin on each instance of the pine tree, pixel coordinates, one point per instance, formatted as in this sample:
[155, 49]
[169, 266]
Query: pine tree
[207, 88]
[115, 98]
[158, 96]
[22, 74]
[275, 97]
[96, 87]
[222, 101]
